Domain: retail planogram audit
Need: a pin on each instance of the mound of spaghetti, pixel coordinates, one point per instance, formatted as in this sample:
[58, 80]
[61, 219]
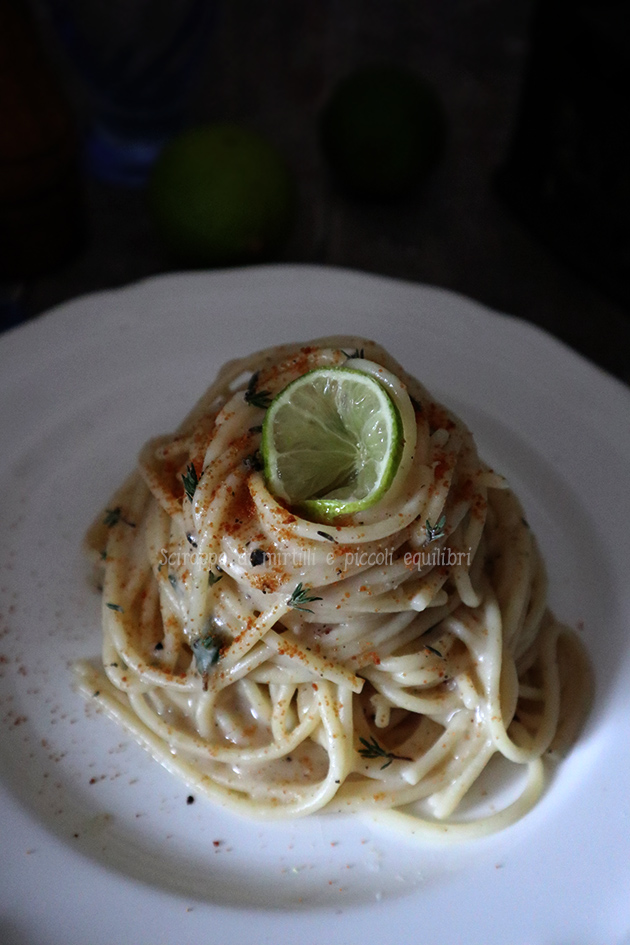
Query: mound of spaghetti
[282, 665]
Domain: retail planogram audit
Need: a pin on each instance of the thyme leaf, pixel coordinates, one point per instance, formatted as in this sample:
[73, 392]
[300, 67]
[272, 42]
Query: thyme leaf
[190, 480]
[116, 607]
[206, 650]
[327, 536]
[432, 649]
[254, 397]
[114, 516]
[213, 578]
[357, 353]
[372, 749]
[254, 461]
[435, 531]
[300, 596]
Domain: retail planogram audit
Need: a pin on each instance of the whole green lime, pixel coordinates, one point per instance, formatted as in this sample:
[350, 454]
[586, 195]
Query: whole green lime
[382, 131]
[220, 195]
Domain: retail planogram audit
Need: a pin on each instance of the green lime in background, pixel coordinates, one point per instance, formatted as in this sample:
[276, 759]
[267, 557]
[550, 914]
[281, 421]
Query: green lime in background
[382, 131]
[221, 195]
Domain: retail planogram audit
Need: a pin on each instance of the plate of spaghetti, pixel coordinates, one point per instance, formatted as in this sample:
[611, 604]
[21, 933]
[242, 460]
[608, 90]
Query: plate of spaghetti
[313, 610]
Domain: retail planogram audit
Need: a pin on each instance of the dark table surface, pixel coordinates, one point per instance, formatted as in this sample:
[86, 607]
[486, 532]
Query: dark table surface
[272, 65]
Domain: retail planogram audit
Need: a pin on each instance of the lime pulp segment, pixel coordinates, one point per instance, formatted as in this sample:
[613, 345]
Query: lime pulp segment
[332, 441]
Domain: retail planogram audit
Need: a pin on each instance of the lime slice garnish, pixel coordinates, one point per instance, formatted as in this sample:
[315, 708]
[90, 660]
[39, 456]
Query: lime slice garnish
[331, 442]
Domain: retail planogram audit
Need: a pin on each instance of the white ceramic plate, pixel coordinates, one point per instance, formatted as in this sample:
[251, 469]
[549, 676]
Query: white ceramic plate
[99, 844]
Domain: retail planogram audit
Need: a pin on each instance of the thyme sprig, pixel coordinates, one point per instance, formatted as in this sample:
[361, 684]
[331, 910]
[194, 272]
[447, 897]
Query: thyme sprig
[190, 480]
[300, 596]
[255, 397]
[357, 353]
[372, 749]
[435, 531]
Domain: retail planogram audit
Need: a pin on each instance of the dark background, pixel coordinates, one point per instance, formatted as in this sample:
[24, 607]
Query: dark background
[272, 65]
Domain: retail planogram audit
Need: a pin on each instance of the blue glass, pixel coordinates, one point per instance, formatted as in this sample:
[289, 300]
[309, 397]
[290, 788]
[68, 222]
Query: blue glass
[136, 60]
